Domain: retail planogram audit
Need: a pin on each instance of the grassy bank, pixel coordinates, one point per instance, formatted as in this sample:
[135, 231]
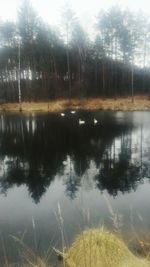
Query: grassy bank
[124, 104]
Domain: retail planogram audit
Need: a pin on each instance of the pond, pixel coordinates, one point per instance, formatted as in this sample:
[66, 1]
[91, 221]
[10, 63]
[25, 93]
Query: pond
[57, 173]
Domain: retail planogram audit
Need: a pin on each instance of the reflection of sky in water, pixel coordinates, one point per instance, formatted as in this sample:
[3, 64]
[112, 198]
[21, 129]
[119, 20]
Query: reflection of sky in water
[46, 160]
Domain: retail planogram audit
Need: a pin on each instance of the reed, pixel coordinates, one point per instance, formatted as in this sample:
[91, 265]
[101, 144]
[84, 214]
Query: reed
[91, 248]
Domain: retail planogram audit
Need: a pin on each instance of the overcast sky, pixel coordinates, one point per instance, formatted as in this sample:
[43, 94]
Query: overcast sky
[86, 10]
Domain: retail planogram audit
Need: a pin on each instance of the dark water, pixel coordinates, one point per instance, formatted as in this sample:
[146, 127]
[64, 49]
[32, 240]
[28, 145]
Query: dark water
[50, 163]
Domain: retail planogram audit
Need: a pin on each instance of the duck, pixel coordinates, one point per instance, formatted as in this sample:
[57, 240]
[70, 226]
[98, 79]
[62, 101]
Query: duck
[62, 114]
[81, 121]
[73, 111]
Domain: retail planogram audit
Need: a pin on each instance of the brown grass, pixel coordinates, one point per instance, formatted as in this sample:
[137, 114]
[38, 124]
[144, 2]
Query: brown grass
[100, 248]
[93, 248]
[124, 104]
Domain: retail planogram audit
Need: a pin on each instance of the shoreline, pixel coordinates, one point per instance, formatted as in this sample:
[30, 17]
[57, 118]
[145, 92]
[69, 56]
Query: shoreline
[141, 103]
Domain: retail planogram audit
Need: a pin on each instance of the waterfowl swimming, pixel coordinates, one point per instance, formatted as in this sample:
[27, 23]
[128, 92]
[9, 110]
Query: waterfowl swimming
[81, 121]
[73, 111]
[62, 114]
[95, 121]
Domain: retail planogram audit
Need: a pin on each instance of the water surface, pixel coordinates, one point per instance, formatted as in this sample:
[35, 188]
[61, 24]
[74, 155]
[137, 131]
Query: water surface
[49, 162]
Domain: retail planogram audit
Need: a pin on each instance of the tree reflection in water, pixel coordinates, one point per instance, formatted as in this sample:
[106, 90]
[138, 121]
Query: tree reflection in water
[112, 155]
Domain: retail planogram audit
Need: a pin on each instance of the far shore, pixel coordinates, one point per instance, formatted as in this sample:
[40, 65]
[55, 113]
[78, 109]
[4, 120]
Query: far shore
[141, 103]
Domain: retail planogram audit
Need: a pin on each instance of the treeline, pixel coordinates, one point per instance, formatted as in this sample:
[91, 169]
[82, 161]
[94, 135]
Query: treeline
[39, 62]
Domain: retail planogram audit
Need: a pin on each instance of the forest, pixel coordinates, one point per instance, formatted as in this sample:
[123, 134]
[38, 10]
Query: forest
[40, 62]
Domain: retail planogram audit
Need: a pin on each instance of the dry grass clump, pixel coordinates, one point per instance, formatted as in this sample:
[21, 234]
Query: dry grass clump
[39, 263]
[94, 248]
[99, 248]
